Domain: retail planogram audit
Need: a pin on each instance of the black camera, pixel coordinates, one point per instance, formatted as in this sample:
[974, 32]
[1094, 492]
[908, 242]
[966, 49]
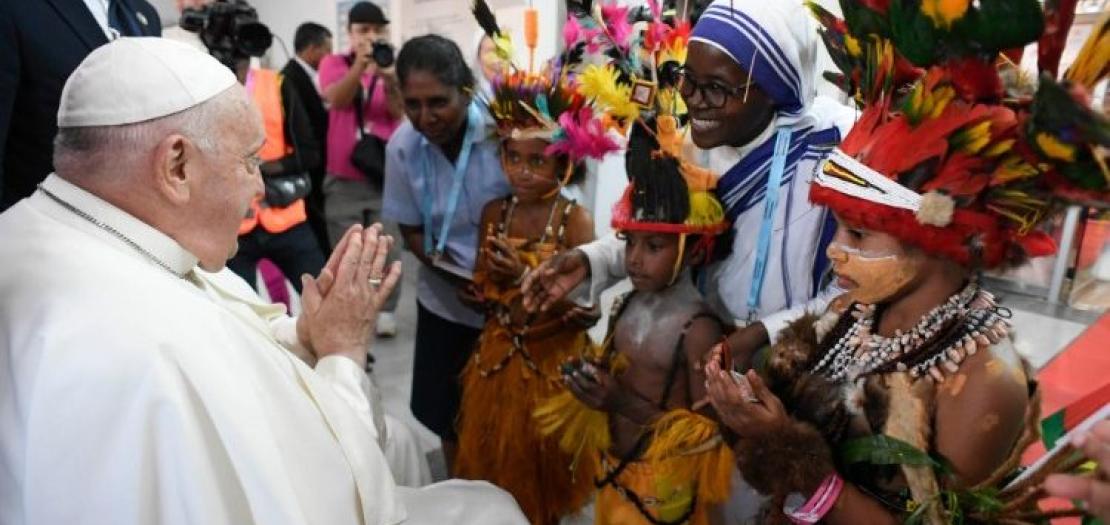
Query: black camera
[382, 53]
[229, 29]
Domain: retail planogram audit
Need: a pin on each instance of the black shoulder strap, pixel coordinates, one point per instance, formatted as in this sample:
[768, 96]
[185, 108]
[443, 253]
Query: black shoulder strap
[679, 360]
[359, 99]
[620, 304]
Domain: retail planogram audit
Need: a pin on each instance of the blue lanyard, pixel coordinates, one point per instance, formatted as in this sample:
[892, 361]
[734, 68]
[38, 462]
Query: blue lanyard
[434, 251]
[770, 204]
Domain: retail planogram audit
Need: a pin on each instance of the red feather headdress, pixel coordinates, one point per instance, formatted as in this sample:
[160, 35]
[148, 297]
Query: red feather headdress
[947, 161]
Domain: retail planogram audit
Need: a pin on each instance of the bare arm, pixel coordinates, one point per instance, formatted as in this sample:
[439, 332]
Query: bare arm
[489, 214]
[854, 507]
[580, 230]
[702, 335]
[342, 93]
[580, 227]
[980, 414]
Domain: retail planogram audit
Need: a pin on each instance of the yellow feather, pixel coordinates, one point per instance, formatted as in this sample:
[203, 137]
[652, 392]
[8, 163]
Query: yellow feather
[687, 450]
[1093, 61]
[600, 83]
[999, 148]
[852, 45]
[944, 12]
[503, 47]
[705, 209]
[975, 138]
[940, 99]
[580, 428]
[1055, 149]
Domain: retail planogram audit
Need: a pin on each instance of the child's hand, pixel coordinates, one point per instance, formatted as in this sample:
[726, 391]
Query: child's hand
[743, 402]
[503, 261]
[582, 317]
[592, 386]
[472, 297]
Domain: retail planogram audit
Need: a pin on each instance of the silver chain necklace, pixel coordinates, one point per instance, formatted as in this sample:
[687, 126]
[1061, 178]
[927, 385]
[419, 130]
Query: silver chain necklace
[115, 233]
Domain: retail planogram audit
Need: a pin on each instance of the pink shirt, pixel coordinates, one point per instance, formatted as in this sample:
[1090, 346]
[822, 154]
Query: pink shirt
[342, 124]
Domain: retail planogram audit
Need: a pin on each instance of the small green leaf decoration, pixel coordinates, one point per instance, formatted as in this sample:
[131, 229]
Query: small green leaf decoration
[881, 449]
[983, 501]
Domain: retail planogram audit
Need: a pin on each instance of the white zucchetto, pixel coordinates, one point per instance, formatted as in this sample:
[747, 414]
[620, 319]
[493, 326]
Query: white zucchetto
[135, 79]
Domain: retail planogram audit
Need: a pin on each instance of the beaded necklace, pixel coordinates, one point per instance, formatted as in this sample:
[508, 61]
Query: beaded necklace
[501, 312]
[967, 322]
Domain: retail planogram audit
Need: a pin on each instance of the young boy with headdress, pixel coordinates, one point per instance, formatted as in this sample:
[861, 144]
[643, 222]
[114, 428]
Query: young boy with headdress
[906, 400]
[748, 81]
[636, 421]
[547, 130]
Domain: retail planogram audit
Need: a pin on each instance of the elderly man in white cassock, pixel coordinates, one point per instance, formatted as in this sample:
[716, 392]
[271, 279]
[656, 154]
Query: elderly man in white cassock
[141, 382]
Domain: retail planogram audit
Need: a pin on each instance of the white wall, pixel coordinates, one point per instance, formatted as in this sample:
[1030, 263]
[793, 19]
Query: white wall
[283, 17]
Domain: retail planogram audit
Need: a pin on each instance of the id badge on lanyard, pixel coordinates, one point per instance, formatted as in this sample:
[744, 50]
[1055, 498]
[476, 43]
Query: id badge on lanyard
[434, 245]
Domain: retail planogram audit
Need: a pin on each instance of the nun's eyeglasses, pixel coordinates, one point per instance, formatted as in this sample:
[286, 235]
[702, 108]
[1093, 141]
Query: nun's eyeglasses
[713, 94]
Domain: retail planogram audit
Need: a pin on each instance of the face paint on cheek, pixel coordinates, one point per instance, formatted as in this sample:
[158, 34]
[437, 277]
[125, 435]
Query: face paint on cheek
[878, 277]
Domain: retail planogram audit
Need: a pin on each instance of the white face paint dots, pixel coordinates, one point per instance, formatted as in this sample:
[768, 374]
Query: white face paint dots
[871, 277]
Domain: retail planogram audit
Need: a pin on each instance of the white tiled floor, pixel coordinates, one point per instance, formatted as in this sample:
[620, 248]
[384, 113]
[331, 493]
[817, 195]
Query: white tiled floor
[1039, 334]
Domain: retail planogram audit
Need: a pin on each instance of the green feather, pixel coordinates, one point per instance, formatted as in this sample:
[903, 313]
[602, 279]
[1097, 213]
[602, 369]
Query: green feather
[913, 33]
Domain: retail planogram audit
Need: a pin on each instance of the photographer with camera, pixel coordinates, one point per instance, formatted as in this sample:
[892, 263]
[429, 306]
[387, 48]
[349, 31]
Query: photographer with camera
[360, 88]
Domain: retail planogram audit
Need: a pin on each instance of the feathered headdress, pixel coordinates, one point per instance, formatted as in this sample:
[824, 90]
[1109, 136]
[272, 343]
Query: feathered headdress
[547, 104]
[635, 57]
[941, 156]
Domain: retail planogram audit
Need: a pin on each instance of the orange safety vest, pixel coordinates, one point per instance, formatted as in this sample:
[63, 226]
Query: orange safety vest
[266, 93]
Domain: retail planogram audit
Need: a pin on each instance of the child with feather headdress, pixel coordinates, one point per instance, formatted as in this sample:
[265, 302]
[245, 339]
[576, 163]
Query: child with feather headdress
[547, 129]
[906, 400]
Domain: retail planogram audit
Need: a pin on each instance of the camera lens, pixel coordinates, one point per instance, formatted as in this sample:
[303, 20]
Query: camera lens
[253, 39]
[382, 53]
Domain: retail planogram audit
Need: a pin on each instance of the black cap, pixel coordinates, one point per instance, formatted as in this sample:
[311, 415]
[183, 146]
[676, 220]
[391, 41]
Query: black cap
[366, 13]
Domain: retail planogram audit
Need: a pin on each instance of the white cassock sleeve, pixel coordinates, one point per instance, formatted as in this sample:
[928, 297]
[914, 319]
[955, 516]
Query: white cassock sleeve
[776, 322]
[400, 444]
[143, 443]
[346, 378]
[606, 256]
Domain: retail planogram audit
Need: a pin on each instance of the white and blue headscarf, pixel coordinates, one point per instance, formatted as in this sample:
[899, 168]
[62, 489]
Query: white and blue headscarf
[776, 42]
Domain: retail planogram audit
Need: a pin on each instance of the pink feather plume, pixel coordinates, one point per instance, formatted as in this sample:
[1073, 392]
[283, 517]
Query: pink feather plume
[582, 136]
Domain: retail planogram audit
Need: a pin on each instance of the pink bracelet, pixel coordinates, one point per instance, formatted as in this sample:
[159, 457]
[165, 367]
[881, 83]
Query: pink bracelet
[820, 503]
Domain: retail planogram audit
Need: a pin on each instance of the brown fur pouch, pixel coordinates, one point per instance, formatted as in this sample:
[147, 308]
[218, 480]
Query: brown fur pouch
[793, 459]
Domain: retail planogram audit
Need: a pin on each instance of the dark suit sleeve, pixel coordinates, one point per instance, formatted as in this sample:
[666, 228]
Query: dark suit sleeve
[298, 132]
[9, 78]
[154, 22]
